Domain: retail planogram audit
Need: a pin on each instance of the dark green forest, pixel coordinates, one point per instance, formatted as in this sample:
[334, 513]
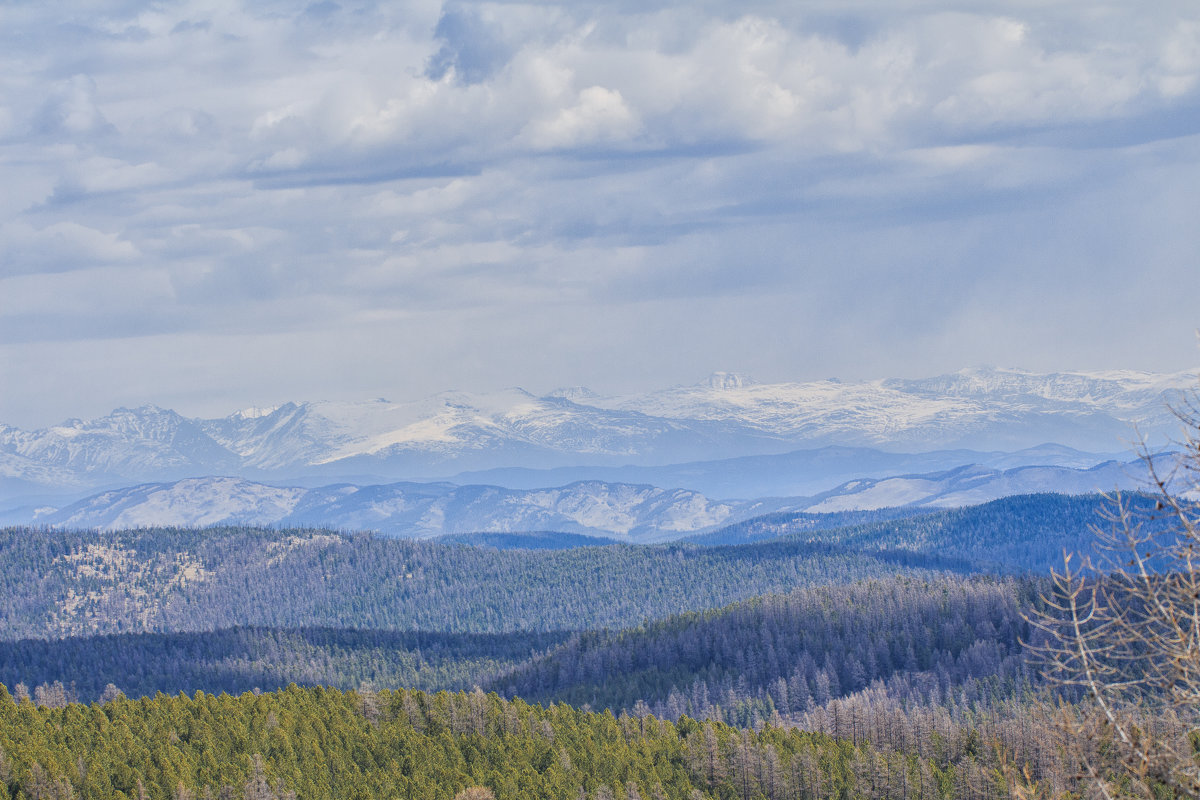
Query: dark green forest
[73, 583]
[236, 660]
[1017, 534]
[324, 743]
[772, 655]
[63, 583]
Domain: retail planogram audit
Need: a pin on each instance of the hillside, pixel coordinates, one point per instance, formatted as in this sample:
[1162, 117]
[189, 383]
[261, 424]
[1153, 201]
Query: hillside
[412, 510]
[237, 660]
[781, 654]
[799, 473]
[61, 583]
[784, 655]
[1019, 533]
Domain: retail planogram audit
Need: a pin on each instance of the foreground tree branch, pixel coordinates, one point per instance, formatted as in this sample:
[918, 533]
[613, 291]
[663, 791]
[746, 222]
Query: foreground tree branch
[1120, 634]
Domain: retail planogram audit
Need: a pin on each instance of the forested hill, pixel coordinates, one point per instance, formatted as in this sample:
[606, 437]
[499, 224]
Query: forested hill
[533, 540]
[237, 660]
[62, 583]
[786, 654]
[1016, 534]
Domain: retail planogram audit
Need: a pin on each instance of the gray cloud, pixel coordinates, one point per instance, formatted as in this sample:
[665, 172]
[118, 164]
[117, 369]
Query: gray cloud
[470, 49]
[596, 193]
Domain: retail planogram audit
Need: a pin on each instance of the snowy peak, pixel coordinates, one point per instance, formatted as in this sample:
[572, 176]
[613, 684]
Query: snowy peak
[972, 484]
[1117, 389]
[141, 442]
[254, 412]
[510, 426]
[979, 408]
[723, 416]
[726, 380]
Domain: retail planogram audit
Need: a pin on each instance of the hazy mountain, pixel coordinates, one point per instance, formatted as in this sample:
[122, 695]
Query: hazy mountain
[798, 473]
[972, 485]
[723, 417]
[417, 510]
[458, 428]
[627, 512]
[983, 408]
[127, 443]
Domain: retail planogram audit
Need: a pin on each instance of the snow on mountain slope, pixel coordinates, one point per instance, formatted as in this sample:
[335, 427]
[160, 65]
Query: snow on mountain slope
[967, 408]
[23, 470]
[1125, 390]
[798, 410]
[190, 502]
[623, 508]
[127, 443]
[725, 416]
[629, 512]
[447, 426]
[971, 485]
[634, 513]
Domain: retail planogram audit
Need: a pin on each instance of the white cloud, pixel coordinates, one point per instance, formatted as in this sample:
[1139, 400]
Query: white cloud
[60, 246]
[600, 116]
[263, 166]
[71, 109]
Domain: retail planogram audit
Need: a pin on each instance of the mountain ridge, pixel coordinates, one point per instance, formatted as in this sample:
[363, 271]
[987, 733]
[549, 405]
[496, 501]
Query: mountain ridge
[726, 416]
[621, 511]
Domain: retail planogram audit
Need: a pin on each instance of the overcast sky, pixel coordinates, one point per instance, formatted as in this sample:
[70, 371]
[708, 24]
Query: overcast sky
[211, 205]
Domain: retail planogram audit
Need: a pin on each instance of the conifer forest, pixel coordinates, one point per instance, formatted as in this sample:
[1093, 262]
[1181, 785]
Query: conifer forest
[894, 658]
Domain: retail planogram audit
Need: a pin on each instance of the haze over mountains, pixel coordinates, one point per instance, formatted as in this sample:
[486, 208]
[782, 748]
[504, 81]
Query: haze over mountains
[649, 467]
[627, 512]
[723, 417]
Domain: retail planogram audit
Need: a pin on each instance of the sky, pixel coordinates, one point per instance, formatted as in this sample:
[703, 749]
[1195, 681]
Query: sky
[217, 204]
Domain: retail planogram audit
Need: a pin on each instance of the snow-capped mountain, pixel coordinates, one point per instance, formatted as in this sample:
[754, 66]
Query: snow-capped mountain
[192, 502]
[977, 408]
[722, 417]
[970, 485]
[629, 512]
[127, 442]
[416, 510]
[457, 427]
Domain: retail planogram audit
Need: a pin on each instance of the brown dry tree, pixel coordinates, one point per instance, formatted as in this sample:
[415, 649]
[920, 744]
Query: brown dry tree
[1120, 638]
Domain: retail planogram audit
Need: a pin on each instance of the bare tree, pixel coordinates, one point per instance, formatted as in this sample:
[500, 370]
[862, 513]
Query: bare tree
[1120, 633]
[370, 704]
[475, 793]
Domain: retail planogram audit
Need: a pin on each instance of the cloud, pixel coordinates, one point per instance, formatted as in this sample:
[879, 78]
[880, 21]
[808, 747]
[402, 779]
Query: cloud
[208, 171]
[471, 49]
[600, 115]
[59, 247]
[71, 110]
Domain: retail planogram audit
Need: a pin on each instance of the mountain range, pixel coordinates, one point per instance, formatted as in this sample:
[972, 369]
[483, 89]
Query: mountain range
[615, 511]
[724, 417]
